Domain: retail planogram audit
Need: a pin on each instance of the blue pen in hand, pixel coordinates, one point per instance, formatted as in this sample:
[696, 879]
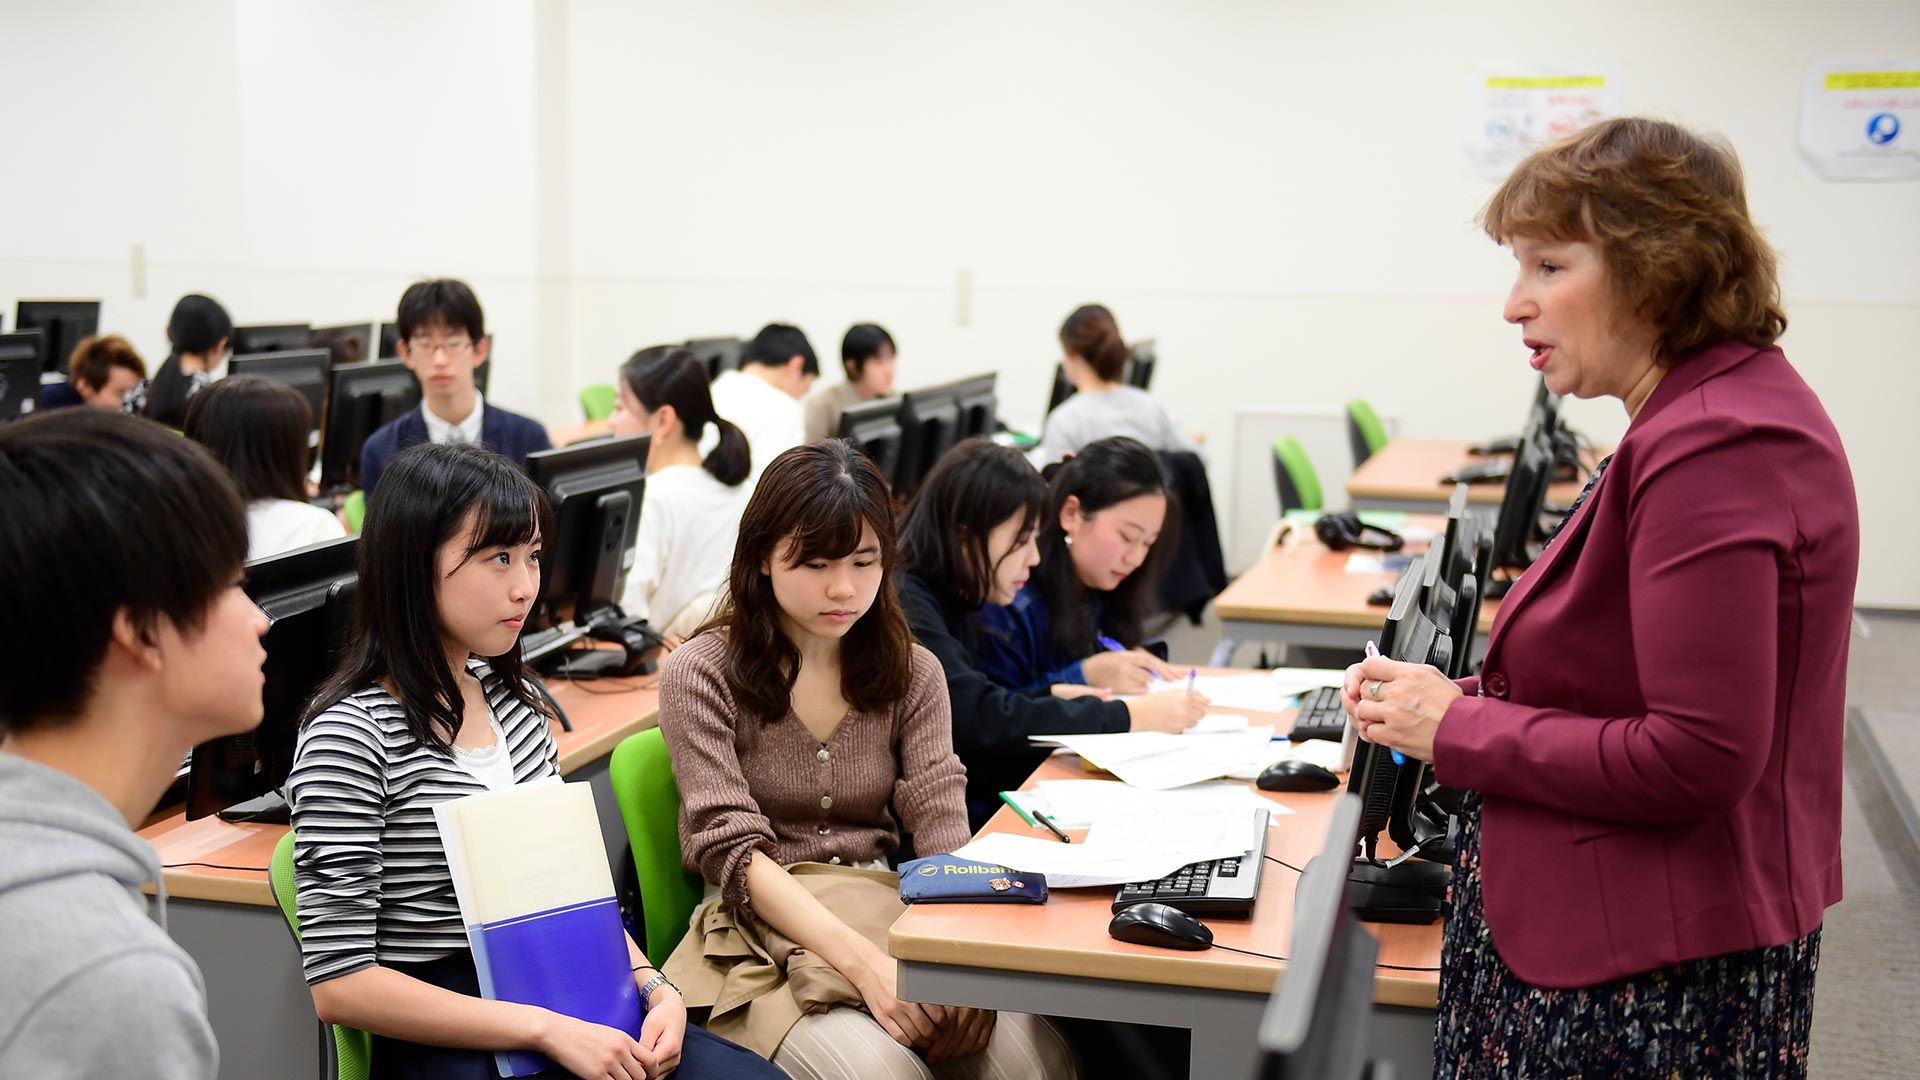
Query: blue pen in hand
[1398, 757]
[1109, 644]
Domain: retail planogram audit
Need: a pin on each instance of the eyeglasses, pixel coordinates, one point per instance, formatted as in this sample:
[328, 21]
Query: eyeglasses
[454, 349]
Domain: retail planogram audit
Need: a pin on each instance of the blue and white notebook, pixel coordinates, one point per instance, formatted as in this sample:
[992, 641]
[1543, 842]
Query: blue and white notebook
[537, 899]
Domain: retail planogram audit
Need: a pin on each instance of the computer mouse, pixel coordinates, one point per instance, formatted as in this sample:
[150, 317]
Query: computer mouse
[1291, 774]
[1160, 925]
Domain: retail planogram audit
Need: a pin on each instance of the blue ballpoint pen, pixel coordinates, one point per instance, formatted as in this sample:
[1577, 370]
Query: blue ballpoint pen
[1398, 757]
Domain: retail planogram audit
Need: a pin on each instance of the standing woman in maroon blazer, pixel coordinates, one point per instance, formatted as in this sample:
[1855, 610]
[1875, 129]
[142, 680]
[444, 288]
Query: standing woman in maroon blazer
[1651, 753]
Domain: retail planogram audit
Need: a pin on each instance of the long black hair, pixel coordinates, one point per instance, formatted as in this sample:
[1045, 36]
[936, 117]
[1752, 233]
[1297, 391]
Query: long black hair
[198, 325]
[427, 496]
[943, 537]
[1104, 472]
[257, 428]
[671, 375]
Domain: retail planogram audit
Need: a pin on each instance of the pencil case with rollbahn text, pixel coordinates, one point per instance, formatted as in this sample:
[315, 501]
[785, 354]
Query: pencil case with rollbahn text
[944, 879]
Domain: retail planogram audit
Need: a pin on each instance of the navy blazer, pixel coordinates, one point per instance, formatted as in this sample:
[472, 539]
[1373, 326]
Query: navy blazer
[502, 432]
[1658, 732]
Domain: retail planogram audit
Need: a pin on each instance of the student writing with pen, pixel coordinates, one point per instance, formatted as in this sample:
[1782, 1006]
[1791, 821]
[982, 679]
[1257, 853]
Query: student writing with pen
[1104, 538]
[967, 542]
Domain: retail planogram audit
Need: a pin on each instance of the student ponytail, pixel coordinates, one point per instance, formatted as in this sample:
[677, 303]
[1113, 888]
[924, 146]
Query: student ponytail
[670, 375]
[1091, 334]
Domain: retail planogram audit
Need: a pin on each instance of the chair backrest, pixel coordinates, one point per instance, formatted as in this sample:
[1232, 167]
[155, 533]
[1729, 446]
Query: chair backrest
[642, 776]
[597, 401]
[348, 1053]
[1365, 433]
[355, 508]
[1293, 475]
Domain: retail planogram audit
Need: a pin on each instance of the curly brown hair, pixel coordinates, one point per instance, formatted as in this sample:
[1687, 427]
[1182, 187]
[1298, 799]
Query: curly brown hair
[1668, 210]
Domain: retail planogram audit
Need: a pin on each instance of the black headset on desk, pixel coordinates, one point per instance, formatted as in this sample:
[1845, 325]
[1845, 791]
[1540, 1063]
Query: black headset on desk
[1345, 530]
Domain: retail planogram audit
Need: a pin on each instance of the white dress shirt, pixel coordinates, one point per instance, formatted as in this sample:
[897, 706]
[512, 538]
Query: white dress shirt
[772, 419]
[689, 524]
[466, 431]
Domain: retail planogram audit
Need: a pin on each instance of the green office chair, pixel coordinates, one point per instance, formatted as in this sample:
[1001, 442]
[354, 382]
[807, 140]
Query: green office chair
[1365, 433]
[345, 1053]
[355, 508]
[642, 776]
[1293, 474]
[598, 400]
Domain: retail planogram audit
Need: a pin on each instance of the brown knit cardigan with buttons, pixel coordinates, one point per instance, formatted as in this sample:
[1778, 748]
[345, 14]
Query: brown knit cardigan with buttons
[746, 784]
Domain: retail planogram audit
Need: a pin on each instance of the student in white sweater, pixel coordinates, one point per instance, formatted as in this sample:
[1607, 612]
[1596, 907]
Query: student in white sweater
[1095, 360]
[697, 466]
[763, 397]
[258, 429]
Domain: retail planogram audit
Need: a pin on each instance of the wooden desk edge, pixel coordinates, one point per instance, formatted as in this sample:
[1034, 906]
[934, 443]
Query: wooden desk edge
[196, 883]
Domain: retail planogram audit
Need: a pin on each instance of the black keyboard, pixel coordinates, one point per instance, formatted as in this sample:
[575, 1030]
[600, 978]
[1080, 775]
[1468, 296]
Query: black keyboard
[1321, 716]
[1212, 887]
[1479, 472]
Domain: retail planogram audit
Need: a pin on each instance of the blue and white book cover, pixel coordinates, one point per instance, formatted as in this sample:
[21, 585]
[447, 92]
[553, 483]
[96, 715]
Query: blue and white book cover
[536, 895]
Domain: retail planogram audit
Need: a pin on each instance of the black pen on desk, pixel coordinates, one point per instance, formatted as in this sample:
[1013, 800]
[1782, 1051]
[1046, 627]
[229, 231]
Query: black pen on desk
[1051, 827]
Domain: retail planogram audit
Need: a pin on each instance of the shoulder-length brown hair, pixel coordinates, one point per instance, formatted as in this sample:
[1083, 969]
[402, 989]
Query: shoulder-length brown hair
[811, 503]
[1668, 210]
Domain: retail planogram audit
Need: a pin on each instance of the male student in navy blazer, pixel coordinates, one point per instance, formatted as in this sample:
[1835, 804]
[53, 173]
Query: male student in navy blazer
[443, 342]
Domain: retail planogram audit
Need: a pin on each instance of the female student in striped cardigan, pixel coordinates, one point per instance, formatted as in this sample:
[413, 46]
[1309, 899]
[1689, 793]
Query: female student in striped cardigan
[430, 704]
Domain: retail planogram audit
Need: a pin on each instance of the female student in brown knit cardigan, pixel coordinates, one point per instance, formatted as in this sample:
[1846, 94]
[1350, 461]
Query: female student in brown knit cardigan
[790, 749]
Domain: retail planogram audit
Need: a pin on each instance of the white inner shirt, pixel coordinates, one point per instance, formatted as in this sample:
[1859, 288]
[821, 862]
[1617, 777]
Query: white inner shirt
[491, 765]
[466, 431]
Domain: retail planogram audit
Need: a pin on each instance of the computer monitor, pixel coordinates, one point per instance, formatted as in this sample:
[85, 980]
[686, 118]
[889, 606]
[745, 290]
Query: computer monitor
[874, 427]
[349, 344]
[1410, 890]
[66, 322]
[485, 369]
[595, 489]
[929, 420]
[361, 399]
[719, 354]
[1062, 388]
[389, 340]
[1315, 1027]
[303, 369]
[979, 406]
[20, 367]
[279, 337]
[1141, 360]
[1518, 524]
[308, 596]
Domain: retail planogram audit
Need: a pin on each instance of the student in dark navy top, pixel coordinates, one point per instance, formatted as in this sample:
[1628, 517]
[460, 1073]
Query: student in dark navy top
[443, 342]
[1104, 541]
[430, 704]
[100, 371]
[969, 540]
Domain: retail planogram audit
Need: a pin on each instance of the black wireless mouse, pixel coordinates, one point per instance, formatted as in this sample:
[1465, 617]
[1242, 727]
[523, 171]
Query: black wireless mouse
[1160, 925]
[1290, 774]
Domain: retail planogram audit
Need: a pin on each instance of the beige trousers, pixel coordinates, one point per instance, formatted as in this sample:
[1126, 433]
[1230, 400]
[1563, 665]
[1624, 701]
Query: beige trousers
[848, 1044]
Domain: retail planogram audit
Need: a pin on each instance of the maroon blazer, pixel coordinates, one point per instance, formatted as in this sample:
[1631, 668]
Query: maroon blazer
[1658, 731]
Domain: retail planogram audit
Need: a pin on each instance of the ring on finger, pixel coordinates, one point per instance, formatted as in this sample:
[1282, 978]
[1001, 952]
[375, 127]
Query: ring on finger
[1375, 692]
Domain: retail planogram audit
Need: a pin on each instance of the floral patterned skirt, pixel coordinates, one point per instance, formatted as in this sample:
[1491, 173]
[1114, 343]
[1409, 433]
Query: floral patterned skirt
[1744, 1014]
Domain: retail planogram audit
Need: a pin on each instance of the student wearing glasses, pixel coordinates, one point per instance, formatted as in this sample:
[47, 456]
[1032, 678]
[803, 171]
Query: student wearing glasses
[443, 342]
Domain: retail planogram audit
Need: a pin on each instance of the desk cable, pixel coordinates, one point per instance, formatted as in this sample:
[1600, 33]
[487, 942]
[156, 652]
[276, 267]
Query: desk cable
[1297, 870]
[213, 866]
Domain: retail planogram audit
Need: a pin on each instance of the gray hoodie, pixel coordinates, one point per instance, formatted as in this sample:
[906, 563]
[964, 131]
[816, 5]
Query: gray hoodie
[90, 986]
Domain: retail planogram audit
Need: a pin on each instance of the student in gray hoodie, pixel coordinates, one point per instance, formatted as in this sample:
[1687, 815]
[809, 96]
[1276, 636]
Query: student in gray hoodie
[127, 640]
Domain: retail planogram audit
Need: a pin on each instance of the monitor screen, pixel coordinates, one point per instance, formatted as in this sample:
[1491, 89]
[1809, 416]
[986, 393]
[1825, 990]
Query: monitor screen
[1141, 361]
[67, 323]
[1520, 505]
[20, 367]
[933, 418]
[361, 399]
[718, 353]
[308, 596]
[303, 369]
[874, 427]
[1315, 1026]
[595, 489]
[979, 406]
[280, 337]
[389, 340]
[1062, 388]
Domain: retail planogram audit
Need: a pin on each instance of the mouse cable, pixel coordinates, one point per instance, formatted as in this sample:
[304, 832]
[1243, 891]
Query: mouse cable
[212, 866]
[1283, 862]
[1297, 870]
[1246, 952]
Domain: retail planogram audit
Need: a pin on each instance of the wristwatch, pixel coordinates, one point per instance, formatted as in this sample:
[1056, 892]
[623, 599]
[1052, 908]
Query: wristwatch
[646, 991]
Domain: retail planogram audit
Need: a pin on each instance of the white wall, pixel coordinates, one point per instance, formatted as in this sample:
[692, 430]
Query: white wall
[1276, 192]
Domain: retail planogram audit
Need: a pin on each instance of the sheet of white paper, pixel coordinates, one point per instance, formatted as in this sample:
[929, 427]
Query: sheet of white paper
[1213, 723]
[1084, 804]
[1362, 563]
[1133, 846]
[1288, 681]
[1319, 752]
[1254, 692]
